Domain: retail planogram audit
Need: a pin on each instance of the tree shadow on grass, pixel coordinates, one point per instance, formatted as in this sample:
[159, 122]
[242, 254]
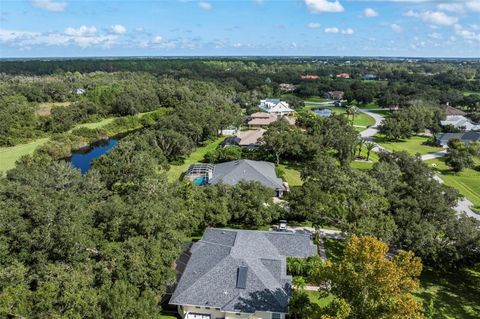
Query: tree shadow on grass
[452, 295]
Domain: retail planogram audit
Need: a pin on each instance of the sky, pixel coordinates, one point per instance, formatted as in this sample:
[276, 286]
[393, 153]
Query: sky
[66, 28]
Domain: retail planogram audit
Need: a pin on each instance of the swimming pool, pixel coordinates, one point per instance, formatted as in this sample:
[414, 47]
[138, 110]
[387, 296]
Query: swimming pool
[199, 181]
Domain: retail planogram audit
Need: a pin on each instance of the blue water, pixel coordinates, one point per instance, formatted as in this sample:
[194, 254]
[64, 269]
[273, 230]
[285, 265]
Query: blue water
[83, 160]
[199, 181]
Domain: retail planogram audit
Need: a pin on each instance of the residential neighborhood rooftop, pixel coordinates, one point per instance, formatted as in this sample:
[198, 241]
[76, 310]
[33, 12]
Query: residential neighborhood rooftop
[241, 270]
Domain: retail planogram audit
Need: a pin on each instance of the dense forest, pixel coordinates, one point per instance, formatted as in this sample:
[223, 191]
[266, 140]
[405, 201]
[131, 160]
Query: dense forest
[104, 244]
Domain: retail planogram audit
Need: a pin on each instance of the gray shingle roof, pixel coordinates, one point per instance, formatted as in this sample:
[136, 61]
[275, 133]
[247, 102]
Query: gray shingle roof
[233, 172]
[465, 137]
[210, 278]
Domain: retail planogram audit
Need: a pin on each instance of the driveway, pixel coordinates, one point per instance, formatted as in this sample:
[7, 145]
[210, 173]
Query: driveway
[439, 154]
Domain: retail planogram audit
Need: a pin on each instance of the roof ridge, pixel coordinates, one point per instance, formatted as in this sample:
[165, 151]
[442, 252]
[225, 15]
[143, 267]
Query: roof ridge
[249, 161]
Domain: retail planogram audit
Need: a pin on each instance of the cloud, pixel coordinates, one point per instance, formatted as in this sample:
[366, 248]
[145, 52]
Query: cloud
[259, 2]
[466, 34]
[369, 13]
[451, 7]
[433, 17]
[435, 35]
[348, 31]
[332, 30]
[12, 35]
[314, 25]
[473, 5]
[204, 5]
[317, 6]
[117, 29]
[49, 5]
[396, 28]
[83, 31]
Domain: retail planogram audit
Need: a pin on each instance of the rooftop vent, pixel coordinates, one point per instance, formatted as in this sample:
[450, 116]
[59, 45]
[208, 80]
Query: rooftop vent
[242, 277]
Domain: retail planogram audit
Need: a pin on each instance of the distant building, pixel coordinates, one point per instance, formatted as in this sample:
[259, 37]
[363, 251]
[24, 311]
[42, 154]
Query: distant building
[370, 77]
[343, 76]
[248, 139]
[263, 119]
[310, 77]
[287, 87]
[231, 130]
[79, 91]
[450, 110]
[466, 137]
[334, 95]
[460, 122]
[275, 106]
[233, 172]
[239, 274]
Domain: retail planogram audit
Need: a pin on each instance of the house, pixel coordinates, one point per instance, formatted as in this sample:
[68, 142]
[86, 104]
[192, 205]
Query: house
[275, 106]
[460, 122]
[370, 77]
[310, 77]
[263, 119]
[466, 137]
[233, 172]
[79, 91]
[451, 111]
[249, 139]
[287, 87]
[230, 130]
[334, 95]
[234, 274]
[343, 76]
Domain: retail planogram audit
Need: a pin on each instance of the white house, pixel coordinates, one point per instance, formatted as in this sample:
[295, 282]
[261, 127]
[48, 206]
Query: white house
[275, 106]
[460, 122]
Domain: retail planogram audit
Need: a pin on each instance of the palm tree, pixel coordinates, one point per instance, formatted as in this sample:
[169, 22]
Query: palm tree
[353, 111]
[361, 141]
[369, 146]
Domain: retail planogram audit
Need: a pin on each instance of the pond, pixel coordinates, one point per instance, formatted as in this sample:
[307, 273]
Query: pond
[83, 160]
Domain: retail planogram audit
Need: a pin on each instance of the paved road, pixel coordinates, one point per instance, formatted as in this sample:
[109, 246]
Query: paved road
[430, 156]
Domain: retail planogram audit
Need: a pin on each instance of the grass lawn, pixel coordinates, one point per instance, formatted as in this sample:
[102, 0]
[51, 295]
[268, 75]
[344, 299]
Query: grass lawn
[315, 297]
[360, 119]
[9, 155]
[44, 109]
[451, 295]
[334, 248]
[291, 175]
[466, 182]
[412, 145]
[316, 99]
[95, 125]
[176, 171]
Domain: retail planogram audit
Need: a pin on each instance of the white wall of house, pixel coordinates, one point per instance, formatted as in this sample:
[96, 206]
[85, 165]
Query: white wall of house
[215, 313]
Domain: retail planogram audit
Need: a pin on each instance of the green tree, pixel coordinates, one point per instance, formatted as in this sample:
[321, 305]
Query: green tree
[458, 156]
[373, 285]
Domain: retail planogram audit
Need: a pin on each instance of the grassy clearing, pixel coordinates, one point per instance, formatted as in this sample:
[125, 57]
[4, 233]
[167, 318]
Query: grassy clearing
[334, 248]
[95, 125]
[316, 99]
[413, 145]
[45, 109]
[176, 171]
[451, 295]
[316, 297]
[360, 119]
[291, 175]
[9, 155]
[466, 182]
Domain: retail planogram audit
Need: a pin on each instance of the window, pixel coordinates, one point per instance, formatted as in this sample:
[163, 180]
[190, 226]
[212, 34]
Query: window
[276, 315]
[207, 307]
[198, 307]
[238, 313]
